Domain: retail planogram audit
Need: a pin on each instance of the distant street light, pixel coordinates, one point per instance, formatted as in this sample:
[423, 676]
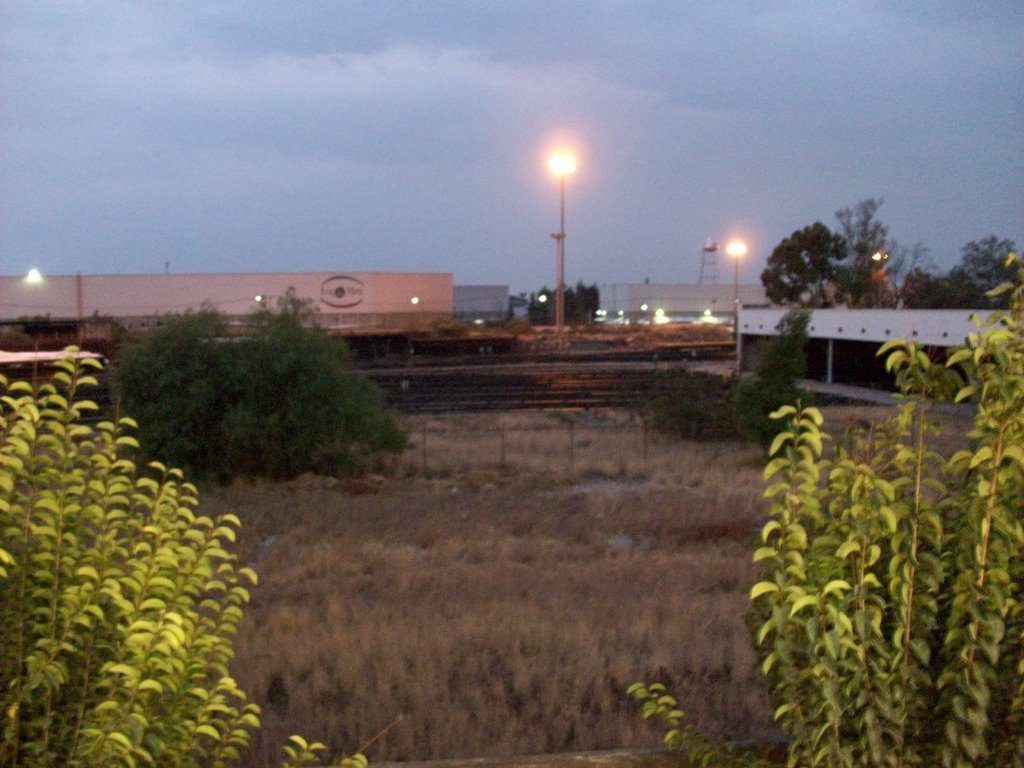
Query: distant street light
[34, 276]
[737, 249]
[561, 165]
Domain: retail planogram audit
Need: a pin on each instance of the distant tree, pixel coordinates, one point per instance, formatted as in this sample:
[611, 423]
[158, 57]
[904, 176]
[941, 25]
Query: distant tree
[862, 280]
[541, 307]
[581, 303]
[901, 262]
[925, 290]
[802, 268]
[774, 383]
[981, 268]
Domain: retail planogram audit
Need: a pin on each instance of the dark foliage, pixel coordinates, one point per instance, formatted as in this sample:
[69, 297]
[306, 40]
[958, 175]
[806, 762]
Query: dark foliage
[696, 406]
[802, 268]
[774, 382]
[277, 403]
[581, 304]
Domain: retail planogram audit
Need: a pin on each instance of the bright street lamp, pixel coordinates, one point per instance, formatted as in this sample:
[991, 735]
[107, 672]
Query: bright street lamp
[561, 165]
[737, 249]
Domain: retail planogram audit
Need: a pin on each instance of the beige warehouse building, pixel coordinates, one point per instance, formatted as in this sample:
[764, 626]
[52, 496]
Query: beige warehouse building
[342, 299]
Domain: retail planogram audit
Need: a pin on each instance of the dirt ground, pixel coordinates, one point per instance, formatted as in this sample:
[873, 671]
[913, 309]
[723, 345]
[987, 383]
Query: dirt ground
[495, 590]
[502, 608]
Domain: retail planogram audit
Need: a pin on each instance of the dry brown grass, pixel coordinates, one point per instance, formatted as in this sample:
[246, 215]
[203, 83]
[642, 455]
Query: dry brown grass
[502, 607]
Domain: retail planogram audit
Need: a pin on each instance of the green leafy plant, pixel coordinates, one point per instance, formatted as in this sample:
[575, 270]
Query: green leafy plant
[119, 602]
[889, 614]
[275, 403]
[656, 702]
[774, 382]
[695, 406]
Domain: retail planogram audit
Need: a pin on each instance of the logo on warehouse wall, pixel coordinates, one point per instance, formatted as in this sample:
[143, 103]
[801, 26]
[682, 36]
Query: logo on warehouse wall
[341, 292]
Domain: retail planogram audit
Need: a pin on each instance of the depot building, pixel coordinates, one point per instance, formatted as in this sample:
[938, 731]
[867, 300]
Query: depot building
[379, 300]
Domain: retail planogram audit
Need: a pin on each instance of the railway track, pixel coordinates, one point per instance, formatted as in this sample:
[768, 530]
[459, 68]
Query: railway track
[444, 389]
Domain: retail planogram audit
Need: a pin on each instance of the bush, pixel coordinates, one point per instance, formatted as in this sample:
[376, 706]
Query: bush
[451, 328]
[180, 380]
[774, 381]
[516, 326]
[890, 613]
[696, 406]
[889, 616]
[117, 602]
[276, 403]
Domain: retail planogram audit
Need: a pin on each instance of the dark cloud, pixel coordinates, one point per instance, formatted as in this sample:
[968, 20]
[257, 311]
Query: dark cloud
[400, 135]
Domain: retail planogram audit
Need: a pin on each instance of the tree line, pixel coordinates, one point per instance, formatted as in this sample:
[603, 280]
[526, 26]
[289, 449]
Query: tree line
[858, 265]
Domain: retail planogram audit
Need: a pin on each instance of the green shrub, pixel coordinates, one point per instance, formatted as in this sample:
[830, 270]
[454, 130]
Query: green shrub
[118, 602]
[517, 326]
[695, 406]
[300, 407]
[451, 327]
[889, 615]
[774, 382]
[179, 380]
[278, 402]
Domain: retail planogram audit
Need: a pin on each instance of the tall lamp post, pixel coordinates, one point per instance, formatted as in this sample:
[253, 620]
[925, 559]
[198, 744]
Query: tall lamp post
[561, 165]
[737, 249]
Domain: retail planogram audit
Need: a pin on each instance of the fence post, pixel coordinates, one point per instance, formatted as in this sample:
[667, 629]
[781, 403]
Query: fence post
[572, 445]
[423, 445]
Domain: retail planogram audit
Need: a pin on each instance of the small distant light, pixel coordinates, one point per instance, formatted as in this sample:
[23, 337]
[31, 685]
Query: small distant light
[34, 276]
[622, 312]
[643, 307]
[542, 298]
[707, 313]
[478, 321]
[415, 299]
[259, 298]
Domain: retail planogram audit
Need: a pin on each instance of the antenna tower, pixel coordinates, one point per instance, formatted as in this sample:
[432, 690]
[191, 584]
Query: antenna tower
[709, 262]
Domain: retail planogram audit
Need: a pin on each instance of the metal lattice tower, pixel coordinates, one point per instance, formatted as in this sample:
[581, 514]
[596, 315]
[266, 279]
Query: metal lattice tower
[709, 262]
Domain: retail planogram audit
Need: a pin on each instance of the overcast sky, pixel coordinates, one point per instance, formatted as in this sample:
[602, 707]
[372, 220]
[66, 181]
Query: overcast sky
[356, 136]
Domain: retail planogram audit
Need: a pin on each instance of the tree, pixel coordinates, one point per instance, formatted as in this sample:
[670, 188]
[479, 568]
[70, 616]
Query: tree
[119, 600]
[983, 267]
[890, 617]
[889, 611]
[902, 261]
[300, 408]
[774, 382]
[541, 307]
[924, 290]
[276, 403]
[179, 380]
[801, 269]
[862, 279]
[581, 303]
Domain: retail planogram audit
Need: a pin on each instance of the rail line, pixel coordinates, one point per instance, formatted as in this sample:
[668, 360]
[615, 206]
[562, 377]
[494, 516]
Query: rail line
[524, 386]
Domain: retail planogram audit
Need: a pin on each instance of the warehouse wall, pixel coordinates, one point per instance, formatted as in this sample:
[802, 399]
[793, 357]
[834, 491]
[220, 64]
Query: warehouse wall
[342, 298]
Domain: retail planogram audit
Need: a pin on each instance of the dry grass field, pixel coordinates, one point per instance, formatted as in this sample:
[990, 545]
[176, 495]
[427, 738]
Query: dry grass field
[498, 592]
